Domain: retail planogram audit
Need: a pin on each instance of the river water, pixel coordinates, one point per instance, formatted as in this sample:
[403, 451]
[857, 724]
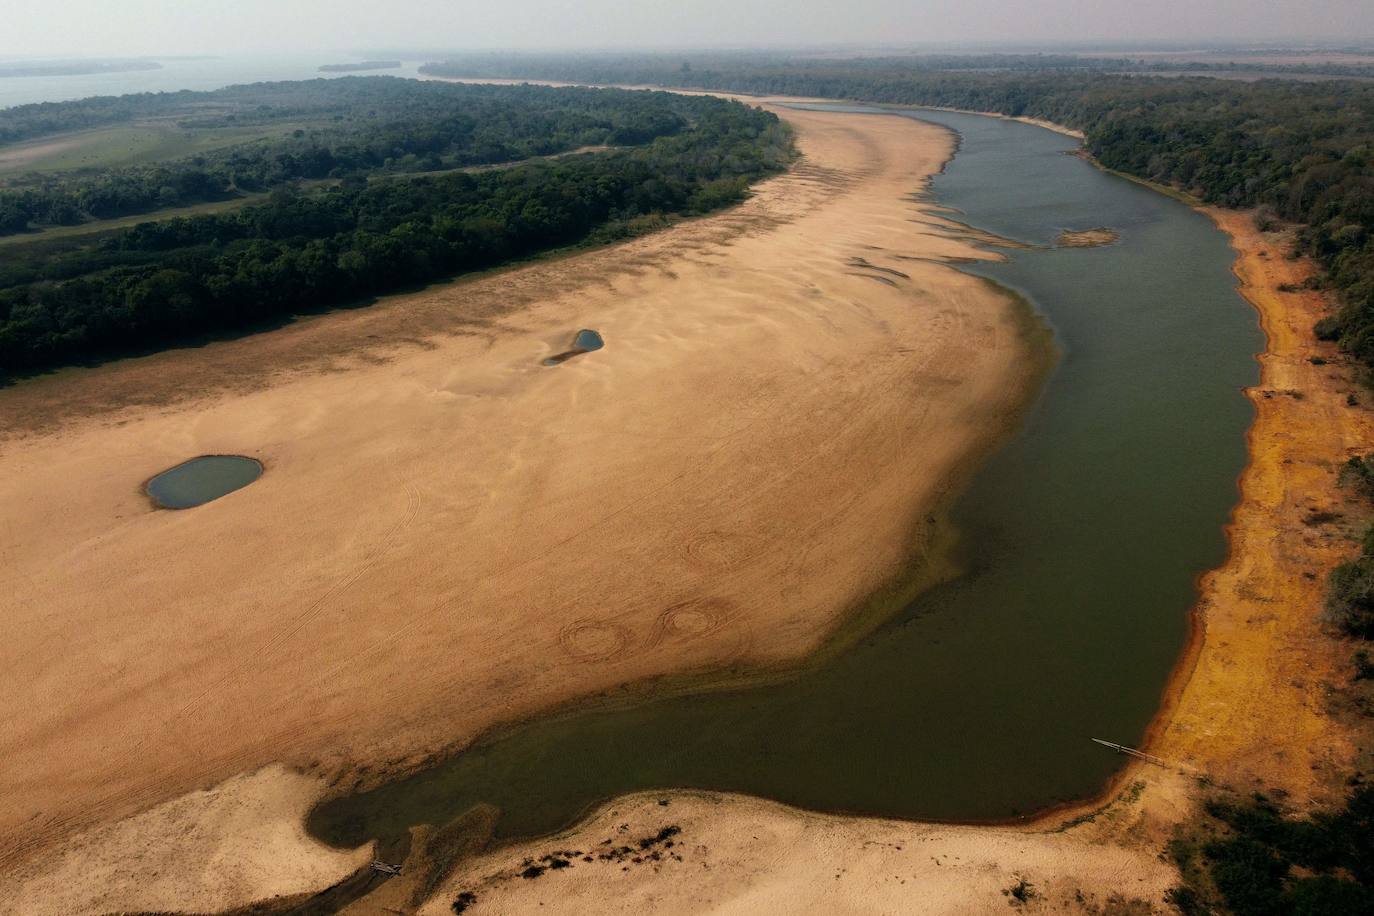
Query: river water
[1081, 540]
[200, 74]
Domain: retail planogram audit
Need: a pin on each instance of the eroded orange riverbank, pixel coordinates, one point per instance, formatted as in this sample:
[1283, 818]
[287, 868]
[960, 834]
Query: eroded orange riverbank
[1254, 709]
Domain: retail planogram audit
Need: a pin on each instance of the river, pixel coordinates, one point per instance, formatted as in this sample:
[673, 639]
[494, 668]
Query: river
[1081, 542]
[193, 73]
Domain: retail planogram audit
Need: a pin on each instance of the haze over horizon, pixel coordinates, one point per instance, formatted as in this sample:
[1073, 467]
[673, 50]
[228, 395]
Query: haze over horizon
[166, 27]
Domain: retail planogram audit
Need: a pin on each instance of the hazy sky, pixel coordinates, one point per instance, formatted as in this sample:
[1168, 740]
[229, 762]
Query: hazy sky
[84, 27]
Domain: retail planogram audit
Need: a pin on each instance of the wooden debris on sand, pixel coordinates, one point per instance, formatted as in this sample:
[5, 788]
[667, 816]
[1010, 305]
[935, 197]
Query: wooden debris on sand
[1139, 755]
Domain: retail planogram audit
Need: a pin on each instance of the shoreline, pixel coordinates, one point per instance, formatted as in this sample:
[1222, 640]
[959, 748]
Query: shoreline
[1059, 818]
[878, 342]
[1276, 312]
[1163, 800]
[1159, 791]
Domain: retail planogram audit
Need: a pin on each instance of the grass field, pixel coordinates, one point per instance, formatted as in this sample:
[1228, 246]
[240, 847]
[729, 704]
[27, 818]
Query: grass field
[136, 144]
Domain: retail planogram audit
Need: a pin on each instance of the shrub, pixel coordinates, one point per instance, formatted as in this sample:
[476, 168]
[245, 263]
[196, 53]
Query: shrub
[1186, 900]
[1247, 873]
[1350, 597]
[1325, 895]
[1364, 666]
[1361, 470]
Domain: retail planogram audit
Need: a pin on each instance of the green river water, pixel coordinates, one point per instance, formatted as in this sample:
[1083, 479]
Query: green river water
[202, 479]
[1081, 539]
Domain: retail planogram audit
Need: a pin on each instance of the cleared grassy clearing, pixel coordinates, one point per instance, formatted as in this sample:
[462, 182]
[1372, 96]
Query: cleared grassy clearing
[137, 144]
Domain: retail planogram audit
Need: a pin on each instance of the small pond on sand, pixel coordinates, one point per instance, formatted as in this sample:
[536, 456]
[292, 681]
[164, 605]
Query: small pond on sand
[586, 341]
[202, 479]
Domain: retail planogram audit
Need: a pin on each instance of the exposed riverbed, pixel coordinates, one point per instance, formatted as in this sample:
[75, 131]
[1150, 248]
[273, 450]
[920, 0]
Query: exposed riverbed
[1081, 543]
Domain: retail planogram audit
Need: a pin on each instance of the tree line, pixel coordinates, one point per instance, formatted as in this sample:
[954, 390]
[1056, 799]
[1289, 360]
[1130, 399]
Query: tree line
[160, 282]
[354, 126]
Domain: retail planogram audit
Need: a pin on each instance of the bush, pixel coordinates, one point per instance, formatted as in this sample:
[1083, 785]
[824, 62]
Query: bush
[1249, 866]
[1364, 666]
[1360, 470]
[1325, 895]
[1350, 597]
[1328, 328]
[1186, 900]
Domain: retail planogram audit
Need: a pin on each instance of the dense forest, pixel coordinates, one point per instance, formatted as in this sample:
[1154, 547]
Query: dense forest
[1300, 151]
[351, 126]
[70, 299]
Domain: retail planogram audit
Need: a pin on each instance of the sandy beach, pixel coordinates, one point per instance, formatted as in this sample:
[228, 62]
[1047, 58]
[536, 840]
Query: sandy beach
[489, 561]
[449, 535]
[1248, 709]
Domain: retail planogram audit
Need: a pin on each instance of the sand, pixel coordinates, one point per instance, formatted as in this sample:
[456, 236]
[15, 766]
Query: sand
[1248, 710]
[736, 855]
[448, 535]
[1087, 238]
[243, 838]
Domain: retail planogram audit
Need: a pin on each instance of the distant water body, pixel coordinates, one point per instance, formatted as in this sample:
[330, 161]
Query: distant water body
[175, 75]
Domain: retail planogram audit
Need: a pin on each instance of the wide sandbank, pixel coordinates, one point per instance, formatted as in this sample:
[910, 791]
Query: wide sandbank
[1247, 709]
[1250, 708]
[449, 535]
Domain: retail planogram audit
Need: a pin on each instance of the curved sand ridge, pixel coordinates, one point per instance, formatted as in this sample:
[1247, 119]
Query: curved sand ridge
[448, 536]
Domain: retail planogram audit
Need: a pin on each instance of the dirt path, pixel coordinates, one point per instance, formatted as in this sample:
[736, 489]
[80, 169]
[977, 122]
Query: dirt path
[449, 535]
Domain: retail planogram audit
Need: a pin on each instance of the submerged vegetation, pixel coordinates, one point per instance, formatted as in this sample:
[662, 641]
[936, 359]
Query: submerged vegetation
[1302, 151]
[307, 247]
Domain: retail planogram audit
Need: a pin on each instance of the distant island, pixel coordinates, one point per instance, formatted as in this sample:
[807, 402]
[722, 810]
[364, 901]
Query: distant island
[361, 65]
[75, 67]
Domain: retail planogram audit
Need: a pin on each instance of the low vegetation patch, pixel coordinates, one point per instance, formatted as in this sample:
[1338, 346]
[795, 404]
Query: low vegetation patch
[1350, 589]
[1251, 859]
[1020, 892]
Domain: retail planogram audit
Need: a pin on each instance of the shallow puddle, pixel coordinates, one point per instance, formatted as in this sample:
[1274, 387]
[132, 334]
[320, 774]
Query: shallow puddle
[586, 341]
[202, 479]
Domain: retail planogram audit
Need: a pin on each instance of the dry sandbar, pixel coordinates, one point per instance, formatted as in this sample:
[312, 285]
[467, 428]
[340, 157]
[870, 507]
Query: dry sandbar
[448, 535]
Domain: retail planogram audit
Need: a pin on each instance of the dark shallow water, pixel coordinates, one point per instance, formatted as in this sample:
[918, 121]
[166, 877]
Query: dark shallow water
[202, 479]
[586, 341]
[1082, 541]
